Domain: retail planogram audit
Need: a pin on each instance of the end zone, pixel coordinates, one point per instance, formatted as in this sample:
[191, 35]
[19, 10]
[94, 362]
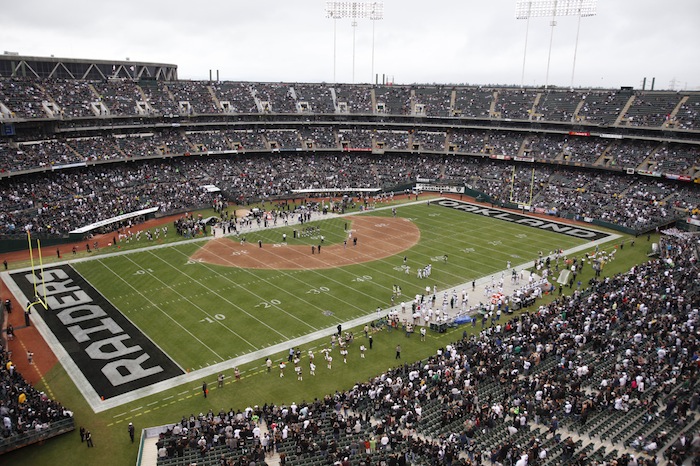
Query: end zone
[526, 220]
[104, 353]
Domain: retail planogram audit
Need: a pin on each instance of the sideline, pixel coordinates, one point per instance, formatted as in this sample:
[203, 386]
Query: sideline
[98, 405]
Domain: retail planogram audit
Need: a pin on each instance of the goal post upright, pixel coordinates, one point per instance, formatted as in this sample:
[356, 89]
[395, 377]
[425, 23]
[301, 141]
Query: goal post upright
[37, 298]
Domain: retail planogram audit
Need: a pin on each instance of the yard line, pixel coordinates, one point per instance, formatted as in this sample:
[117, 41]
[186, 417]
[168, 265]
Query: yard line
[305, 283]
[371, 269]
[186, 298]
[156, 306]
[241, 286]
[251, 292]
[488, 267]
[448, 239]
[267, 281]
[199, 282]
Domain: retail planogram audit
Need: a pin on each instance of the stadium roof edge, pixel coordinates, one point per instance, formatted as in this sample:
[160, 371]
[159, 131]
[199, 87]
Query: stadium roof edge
[12, 57]
[20, 66]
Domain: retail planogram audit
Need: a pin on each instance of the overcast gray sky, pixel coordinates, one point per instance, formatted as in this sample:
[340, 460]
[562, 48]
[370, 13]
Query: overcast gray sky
[437, 41]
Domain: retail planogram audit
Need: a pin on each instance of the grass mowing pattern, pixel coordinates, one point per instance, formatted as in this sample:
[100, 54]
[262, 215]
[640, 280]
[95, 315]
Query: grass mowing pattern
[113, 447]
[202, 314]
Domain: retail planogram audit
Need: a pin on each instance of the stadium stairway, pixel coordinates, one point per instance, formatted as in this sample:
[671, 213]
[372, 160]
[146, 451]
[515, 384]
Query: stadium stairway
[645, 165]
[621, 116]
[216, 100]
[575, 117]
[533, 110]
[672, 116]
[492, 108]
[149, 452]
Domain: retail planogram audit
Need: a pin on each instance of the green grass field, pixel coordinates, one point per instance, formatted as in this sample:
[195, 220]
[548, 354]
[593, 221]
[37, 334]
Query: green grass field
[224, 312]
[202, 314]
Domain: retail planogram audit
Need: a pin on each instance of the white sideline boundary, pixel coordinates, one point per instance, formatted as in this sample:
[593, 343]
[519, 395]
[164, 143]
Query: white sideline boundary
[98, 406]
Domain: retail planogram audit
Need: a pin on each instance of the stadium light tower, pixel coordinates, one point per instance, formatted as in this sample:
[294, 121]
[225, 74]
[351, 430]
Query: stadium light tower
[526, 9]
[586, 8]
[376, 14]
[354, 10]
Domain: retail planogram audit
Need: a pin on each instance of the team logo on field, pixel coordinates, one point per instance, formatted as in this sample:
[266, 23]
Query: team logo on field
[548, 225]
[113, 355]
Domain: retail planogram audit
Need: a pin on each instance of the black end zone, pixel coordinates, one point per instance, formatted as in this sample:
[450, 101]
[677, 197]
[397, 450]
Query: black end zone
[111, 352]
[574, 231]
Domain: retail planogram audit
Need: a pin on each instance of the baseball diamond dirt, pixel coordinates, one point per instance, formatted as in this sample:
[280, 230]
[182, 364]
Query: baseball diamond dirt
[377, 238]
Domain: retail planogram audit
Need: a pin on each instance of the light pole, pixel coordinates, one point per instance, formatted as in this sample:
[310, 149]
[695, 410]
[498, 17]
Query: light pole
[586, 8]
[353, 10]
[354, 29]
[333, 12]
[376, 14]
[525, 9]
[522, 10]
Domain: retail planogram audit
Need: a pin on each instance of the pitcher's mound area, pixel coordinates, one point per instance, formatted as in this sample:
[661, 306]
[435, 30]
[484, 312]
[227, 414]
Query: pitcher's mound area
[377, 238]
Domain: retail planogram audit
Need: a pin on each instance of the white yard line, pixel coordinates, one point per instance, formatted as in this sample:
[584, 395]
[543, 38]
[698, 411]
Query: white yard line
[156, 306]
[245, 288]
[199, 282]
[258, 355]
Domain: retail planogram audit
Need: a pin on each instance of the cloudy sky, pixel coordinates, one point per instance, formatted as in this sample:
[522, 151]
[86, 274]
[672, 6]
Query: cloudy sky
[437, 41]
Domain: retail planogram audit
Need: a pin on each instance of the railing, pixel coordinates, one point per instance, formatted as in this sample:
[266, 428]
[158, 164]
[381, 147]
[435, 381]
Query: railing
[28, 438]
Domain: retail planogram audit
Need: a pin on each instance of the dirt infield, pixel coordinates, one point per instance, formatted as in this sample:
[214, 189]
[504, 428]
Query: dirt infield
[373, 243]
[377, 238]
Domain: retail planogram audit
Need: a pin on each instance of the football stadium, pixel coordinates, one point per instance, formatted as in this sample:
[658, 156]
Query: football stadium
[224, 272]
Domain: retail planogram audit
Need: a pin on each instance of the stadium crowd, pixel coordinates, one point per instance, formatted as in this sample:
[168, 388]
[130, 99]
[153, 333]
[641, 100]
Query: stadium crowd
[602, 195]
[25, 412]
[58, 202]
[653, 157]
[624, 350]
[618, 361]
[27, 98]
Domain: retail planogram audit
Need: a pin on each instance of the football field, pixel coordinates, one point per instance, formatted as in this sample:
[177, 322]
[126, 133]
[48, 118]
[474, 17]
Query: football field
[133, 323]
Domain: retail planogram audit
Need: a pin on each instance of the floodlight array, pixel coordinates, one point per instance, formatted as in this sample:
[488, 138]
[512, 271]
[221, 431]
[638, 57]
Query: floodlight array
[525, 9]
[355, 10]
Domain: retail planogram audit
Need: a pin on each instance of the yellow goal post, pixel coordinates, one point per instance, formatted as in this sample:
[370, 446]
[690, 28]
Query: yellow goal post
[37, 298]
